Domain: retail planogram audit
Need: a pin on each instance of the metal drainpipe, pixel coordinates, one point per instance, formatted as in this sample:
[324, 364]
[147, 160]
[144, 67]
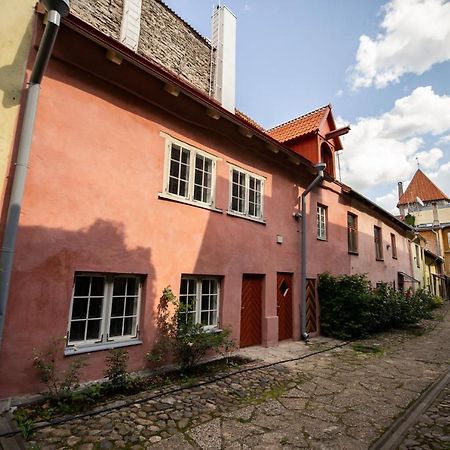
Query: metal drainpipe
[56, 10]
[320, 168]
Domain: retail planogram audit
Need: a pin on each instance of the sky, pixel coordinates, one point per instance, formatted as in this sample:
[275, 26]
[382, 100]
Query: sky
[384, 65]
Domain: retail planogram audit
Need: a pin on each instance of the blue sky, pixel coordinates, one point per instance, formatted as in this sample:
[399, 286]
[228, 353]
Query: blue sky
[384, 66]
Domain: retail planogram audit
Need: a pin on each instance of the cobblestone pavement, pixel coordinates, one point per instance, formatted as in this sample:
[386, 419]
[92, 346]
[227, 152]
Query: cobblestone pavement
[432, 430]
[339, 399]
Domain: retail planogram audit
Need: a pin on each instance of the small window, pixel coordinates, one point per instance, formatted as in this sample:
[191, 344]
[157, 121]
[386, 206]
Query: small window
[393, 246]
[352, 233]
[190, 174]
[417, 255]
[200, 298]
[247, 192]
[322, 222]
[104, 309]
[378, 243]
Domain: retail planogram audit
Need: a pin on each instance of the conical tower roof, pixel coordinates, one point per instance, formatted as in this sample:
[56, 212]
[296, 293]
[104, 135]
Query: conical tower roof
[421, 186]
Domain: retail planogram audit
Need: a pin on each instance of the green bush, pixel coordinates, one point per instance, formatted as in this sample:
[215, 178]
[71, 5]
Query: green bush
[351, 308]
[116, 373]
[181, 338]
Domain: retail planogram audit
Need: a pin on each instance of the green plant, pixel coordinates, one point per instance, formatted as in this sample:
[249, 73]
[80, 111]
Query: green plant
[60, 383]
[179, 336]
[24, 423]
[116, 370]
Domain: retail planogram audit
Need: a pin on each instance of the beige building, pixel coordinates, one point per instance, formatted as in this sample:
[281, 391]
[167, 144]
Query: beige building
[15, 41]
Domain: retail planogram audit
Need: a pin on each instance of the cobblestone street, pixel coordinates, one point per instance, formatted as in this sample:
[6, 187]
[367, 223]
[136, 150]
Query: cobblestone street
[344, 398]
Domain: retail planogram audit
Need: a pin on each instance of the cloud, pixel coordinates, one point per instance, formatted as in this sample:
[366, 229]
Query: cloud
[444, 139]
[415, 35]
[339, 93]
[389, 201]
[383, 149]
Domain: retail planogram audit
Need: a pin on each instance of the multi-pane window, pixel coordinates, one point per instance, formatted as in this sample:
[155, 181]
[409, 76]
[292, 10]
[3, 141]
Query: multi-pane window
[352, 233]
[417, 255]
[246, 194]
[393, 246]
[321, 222]
[190, 175]
[378, 243]
[104, 308]
[200, 299]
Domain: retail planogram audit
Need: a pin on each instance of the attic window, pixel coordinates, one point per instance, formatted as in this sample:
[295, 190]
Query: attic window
[326, 156]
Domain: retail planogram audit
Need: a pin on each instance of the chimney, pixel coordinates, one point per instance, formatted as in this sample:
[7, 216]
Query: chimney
[131, 23]
[224, 41]
[435, 214]
[400, 193]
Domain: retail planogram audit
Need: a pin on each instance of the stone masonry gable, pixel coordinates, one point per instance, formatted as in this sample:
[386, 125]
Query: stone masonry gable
[164, 37]
[104, 15]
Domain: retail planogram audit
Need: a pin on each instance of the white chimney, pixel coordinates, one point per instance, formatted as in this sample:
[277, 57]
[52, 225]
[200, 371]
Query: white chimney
[224, 41]
[131, 23]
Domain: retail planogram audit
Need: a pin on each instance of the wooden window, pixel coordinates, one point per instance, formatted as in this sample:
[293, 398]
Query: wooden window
[378, 238]
[352, 233]
[322, 218]
[246, 194]
[189, 175]
[104, 309]
[200, 297]
[393, 246]
[417, 255]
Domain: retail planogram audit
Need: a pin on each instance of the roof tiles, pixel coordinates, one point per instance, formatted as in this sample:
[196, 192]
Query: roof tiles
[308, 123]
[421, 186]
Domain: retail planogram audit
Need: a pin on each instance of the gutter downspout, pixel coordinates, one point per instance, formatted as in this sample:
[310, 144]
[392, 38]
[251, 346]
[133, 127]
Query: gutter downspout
[302, 215]
[56, 10]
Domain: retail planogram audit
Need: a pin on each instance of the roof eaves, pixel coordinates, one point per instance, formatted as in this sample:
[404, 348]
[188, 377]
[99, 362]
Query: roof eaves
[157, 70]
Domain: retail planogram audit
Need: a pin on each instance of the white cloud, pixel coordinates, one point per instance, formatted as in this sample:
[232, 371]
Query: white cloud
[383, 149]
[389, 201]
[444, 139]
[339, 93]
[415, 35]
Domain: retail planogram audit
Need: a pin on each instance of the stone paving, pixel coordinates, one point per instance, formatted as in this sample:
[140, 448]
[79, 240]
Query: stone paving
[432, 430]
[339, 399]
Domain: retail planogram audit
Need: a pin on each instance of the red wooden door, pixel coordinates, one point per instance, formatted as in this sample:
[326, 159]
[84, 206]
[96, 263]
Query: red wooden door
[251, 310]
[284, 305]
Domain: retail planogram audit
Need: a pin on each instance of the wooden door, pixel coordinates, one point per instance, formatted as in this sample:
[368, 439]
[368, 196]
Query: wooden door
[251, 310]
[284, 305]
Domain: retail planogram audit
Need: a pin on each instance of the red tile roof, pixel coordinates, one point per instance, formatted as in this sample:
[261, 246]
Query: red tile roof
[244, 117]
[421, 186]
[308, 123]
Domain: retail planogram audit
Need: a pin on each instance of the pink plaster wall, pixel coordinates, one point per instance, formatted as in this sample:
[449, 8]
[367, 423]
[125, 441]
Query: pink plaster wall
[91, 204]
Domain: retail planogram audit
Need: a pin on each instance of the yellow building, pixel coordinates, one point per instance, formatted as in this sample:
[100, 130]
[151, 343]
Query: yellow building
[16, 24]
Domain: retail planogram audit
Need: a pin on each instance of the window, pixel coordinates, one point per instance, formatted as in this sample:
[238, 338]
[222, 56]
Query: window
[417, 256]
[393, 246]
[321, 222]
[378, 243]
[104, 309]
[190, 174]
[247, 190]
[352, 233]
[200, 296]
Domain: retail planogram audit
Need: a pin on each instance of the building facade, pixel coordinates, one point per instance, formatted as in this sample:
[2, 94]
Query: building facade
[139, 180]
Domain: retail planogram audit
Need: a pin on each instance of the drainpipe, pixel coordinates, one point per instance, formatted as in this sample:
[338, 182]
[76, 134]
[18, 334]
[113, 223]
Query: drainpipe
[56, 9]
[302, 215]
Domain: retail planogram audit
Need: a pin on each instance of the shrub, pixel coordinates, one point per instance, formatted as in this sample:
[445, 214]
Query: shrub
[116, 370]
[183, 339]
[351, 308]
[60, 383]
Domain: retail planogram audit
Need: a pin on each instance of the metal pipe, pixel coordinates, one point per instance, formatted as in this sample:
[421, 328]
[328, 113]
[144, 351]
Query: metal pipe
[23, 153]
[320, 168]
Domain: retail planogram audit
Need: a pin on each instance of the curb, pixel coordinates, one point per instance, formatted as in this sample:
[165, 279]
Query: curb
[395, 434]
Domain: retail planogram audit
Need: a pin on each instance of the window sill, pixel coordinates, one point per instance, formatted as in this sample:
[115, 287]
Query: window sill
[353, 253]
[242, 216]
[322, 239]
[70, 351]
[173, 198]
[379, 259]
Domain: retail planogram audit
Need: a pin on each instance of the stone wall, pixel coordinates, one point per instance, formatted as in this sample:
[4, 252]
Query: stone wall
[105, 15]
[164, 37]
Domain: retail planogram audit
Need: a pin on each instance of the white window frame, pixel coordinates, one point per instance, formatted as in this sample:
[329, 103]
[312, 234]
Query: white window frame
[198, 301]
[104, 341]
[246, 213]
[193, 152]
[322, 222]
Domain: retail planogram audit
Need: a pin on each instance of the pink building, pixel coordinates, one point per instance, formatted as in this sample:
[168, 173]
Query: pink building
[139, 180]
